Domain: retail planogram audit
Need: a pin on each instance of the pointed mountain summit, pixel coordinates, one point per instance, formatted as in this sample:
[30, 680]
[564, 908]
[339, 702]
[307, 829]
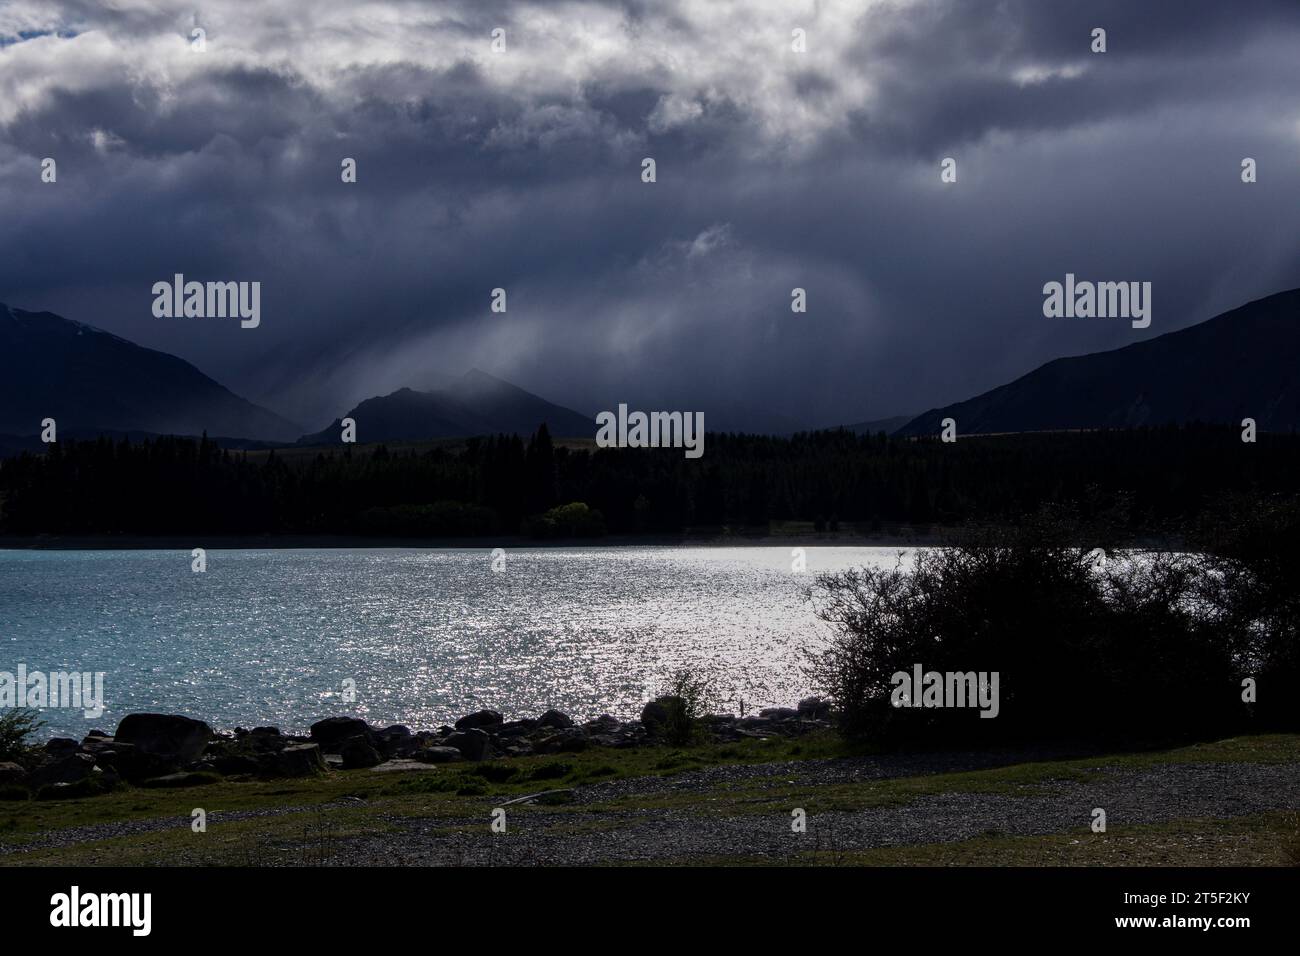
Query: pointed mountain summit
[512, 410]
[89, 380]
[474, 404]
[1241, 364]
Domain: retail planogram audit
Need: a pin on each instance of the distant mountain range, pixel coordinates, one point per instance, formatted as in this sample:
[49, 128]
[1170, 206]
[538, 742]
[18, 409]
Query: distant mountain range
[1242, 364]
[90, 381]
[93, 383]
[475, 404]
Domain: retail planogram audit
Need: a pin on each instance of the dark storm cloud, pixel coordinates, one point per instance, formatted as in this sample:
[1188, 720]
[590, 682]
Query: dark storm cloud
[950, 72]
[521, 170]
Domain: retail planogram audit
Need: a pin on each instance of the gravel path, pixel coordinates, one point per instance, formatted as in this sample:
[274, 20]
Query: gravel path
[580, 836]
[1129, 797]
[70, 836]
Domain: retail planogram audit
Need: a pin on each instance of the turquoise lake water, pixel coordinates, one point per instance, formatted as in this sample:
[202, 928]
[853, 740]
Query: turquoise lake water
[426, 635]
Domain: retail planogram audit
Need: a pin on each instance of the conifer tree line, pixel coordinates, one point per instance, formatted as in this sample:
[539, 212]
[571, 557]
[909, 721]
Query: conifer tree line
[1162, 478]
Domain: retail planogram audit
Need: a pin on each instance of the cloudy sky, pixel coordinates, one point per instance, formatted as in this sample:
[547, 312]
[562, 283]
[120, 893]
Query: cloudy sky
[522, 169]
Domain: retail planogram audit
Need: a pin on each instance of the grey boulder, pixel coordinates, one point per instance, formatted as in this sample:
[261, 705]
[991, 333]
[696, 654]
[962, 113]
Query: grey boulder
[170, 737]
[472, 743]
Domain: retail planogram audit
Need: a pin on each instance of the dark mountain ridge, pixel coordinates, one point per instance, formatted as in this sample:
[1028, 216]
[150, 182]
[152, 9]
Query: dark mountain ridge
[1244, 363]
[89, 380]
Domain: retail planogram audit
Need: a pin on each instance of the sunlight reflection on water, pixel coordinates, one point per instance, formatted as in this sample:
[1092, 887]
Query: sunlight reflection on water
[268, 637]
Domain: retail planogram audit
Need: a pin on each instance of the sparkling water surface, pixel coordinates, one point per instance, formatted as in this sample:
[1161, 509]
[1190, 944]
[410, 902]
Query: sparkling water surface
[270, 636]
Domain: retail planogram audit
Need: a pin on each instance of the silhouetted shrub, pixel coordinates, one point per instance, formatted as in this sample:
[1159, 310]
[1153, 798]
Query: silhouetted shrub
[1252, 546]
[1083, 648]
[685, 700]
[16, 727]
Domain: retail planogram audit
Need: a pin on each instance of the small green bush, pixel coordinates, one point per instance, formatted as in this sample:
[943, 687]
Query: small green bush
[16, 726]
[686, 699]
[574, 520]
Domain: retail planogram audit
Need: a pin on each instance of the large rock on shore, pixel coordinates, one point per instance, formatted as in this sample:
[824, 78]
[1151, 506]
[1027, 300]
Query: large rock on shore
[11, 774]
[438, 755]
[299, 760]
[655, 715]
[473, 743]
[332, 731]
[171, 738]
[514, 728]
[555, 719]
[263, 739]
[398, 741]
[233, 765]
[358, 754]
[482, 719]
[127, 761]
[70, 768]
[569, 740]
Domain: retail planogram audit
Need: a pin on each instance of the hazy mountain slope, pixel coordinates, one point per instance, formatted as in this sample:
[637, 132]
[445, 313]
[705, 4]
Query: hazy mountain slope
[475, 404]
[1243, 363]
[511, 409]
[886, 425]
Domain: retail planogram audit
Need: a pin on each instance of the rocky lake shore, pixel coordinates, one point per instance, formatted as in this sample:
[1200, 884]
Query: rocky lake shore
[171, 750]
